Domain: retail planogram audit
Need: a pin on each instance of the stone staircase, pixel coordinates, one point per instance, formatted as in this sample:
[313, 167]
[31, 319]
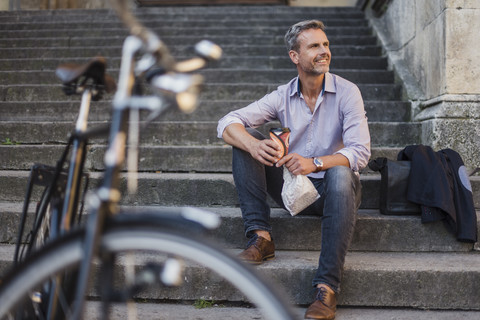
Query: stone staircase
[394, 261]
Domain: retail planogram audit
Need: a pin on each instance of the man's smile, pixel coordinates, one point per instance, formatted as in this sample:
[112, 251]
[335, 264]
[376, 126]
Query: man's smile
[321, 60]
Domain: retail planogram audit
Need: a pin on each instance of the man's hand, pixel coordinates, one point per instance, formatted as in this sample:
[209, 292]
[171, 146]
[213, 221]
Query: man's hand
[266, 151]
[297, 164]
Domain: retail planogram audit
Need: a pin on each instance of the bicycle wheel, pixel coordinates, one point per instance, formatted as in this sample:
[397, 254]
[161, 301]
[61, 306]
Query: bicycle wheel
[139, 251]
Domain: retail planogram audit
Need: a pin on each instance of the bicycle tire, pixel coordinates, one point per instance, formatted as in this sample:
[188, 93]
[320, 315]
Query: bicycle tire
[149, 240]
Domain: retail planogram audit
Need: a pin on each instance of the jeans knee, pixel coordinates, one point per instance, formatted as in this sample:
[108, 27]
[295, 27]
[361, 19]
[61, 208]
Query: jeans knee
[342, 183]
[340, 178]
[236, 152]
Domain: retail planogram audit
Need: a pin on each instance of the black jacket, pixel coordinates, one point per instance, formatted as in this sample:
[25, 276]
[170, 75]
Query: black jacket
[439, 182]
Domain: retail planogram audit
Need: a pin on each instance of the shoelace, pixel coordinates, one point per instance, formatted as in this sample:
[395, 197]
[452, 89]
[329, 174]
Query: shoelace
[252, 241]
[321, 293]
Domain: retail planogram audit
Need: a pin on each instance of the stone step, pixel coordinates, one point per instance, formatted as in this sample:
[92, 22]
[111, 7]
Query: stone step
[182, 10]
[168, 31]
[193, 11]
[226, 76]
[373, 231]
[109, 50]
[212, 91]
[153, 20]
[380, 111]
[218, 311]
[188, 133]
[293, 15]
[203, 8]
[229, 61]
[200, 158]
[171, 22]
[371, 279]
[100, 41]
[190, 189]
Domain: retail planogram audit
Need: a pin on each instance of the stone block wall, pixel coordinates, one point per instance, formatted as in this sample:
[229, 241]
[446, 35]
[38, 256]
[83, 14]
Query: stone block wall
[433, 47]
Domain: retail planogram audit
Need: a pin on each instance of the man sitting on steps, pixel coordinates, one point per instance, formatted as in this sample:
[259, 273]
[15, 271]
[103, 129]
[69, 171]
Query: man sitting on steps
[329, 142]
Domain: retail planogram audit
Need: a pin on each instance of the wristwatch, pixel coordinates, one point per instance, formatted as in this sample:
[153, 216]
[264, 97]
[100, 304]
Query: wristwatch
[318, 162]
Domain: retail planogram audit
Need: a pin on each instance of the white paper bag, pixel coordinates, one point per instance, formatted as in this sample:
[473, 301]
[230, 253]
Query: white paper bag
[298, 192]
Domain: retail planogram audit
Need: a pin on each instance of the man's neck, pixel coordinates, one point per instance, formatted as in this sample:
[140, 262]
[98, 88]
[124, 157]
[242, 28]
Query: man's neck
[311, 86]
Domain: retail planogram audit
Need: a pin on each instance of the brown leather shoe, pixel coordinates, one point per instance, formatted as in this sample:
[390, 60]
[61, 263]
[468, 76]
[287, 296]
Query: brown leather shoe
[324, 306]
[258, 250]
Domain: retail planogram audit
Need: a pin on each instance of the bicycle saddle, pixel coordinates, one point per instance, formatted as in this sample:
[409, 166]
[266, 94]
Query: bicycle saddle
[70, 73]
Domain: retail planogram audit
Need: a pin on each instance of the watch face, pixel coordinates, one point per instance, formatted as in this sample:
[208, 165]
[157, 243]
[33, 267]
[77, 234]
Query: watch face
[318, 163]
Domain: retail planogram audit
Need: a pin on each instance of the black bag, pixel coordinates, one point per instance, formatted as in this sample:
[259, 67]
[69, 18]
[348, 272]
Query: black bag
[393, 187]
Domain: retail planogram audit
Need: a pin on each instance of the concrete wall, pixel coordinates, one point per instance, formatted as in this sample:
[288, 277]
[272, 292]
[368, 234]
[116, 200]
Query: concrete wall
[434, 47]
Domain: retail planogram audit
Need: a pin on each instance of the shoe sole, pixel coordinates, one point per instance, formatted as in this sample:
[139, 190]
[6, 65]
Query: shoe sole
[266, 258]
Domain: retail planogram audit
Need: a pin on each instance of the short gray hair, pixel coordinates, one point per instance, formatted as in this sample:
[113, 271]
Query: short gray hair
[291, 37]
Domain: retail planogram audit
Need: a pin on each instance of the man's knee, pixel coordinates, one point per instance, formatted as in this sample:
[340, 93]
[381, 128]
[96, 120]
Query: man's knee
[256, 134]
[340, 179]
[342, 183]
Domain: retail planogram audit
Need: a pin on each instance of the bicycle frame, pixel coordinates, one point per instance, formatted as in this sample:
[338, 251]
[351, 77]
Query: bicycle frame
[77, 162]
[56, 181]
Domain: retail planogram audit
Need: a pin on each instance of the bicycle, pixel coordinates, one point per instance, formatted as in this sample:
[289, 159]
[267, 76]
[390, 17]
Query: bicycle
[132, 253]
[58, 207]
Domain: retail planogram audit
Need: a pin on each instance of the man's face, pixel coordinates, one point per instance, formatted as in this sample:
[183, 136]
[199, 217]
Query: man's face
[313, 56]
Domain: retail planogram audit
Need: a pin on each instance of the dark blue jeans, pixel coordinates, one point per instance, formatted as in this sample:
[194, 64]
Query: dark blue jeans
[340, 192]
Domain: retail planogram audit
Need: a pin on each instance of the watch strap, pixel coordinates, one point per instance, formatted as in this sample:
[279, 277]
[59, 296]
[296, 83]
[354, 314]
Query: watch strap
[318, 164]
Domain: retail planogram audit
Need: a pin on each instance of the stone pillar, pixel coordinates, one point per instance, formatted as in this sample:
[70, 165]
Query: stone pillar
[4, 5]
[434, 48]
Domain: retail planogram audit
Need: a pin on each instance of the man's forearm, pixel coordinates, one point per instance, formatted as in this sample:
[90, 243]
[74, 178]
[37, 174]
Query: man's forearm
[333, 160]
[236, 135]
[264, 150]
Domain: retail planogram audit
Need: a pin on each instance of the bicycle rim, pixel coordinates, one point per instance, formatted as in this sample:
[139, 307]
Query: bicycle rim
[135, 247]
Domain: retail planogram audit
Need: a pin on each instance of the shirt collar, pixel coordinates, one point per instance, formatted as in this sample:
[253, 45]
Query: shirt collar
[328, 85]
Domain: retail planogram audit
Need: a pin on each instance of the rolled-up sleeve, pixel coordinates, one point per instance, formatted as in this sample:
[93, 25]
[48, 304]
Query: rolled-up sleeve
[356, 135]
[225, 122]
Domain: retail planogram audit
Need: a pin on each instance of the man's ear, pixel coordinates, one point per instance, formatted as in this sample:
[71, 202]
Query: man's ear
[293, 56]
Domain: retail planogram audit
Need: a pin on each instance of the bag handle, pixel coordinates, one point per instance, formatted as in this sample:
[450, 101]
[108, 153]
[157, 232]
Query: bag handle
[378, 164]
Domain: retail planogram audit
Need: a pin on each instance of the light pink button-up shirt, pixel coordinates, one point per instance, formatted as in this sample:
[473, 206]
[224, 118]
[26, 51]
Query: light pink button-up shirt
[338, 123]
